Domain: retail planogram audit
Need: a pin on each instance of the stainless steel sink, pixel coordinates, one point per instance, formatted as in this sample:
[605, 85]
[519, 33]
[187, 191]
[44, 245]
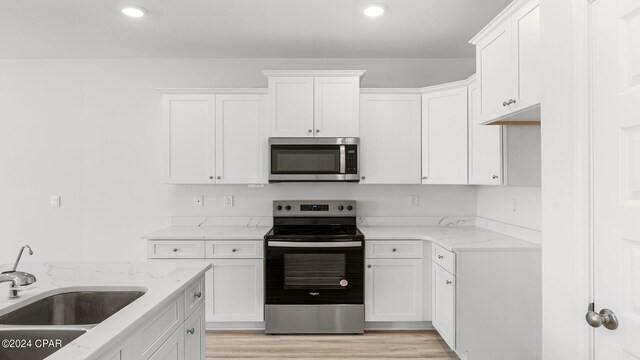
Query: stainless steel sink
[34, 344]
[72, 308]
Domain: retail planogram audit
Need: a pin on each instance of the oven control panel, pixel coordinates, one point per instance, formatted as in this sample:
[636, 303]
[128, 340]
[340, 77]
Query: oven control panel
[309, 208]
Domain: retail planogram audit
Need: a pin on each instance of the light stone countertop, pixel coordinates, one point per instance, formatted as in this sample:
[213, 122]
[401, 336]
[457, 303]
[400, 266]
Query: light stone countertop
[161, 280]
[463, 238]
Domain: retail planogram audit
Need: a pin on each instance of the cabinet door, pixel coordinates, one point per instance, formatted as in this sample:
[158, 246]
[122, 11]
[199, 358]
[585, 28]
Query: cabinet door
[393, 290]
[494, 65]
[444, 137]
[390, 138]
[443, 302]
[336, 106]
[235, 290]
[173, 348]
[240, 139]
[189, 128]
[194, 338]
[291, 106]
[525, 25]
[485, 146]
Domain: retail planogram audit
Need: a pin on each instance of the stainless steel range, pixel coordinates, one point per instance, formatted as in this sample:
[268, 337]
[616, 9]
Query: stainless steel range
[314, 269]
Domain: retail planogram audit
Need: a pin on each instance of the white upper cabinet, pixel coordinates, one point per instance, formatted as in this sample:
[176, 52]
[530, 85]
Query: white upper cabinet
[189, 130]
[240, 141]
[314, 103]
[508, 64]
[485, 146]
[336, 106]
[390, 139]
[291, 106]
[214, 137]
[444, 134]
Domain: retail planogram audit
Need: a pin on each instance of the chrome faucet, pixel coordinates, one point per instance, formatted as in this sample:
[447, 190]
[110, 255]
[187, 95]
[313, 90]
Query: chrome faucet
[17, 278]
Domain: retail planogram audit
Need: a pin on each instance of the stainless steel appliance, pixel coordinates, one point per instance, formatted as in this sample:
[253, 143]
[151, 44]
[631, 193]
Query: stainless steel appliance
[314, 272]
[314, 159]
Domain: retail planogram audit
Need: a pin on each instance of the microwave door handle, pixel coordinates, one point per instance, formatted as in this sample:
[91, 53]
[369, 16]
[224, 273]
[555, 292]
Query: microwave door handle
[343, 159]
[296, 244]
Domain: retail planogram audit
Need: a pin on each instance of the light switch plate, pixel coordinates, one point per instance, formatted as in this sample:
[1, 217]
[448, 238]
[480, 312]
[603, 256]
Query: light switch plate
[228, 201]
[198, 201]
[55, 201]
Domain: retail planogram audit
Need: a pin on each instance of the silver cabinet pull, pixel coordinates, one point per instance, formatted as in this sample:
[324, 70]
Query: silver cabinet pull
[211, 177]
[234, 250]
[175, 250]
[317, 131]
[504, 103]
[424, 178]
[394, 249]
[218, 177]
[605, 317]
[191, 331]
[310, 131]
[369, 266]
[363, 177]
[197, 295]
[440, 257]
[495, 176]
[448, 282]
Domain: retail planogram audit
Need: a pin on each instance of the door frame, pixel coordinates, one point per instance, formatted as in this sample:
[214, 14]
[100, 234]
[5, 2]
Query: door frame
[567, 191]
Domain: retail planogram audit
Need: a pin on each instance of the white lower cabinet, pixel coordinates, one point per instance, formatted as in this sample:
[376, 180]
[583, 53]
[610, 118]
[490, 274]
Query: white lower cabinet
[194, 339]
[235, 291]
[173, 348]
[393, 285]
[443, 304]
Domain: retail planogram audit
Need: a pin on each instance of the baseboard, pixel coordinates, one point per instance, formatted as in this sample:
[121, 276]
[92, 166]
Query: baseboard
[368, 326]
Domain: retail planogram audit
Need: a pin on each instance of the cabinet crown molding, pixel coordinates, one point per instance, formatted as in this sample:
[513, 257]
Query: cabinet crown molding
[499, 20]
[447, 86]
[212, 90]
[355, 73]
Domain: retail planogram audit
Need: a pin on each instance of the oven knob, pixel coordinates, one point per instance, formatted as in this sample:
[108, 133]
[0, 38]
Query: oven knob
[288, 207]
[279, 207]
[340, 207]
[349, 207]
[344, 283]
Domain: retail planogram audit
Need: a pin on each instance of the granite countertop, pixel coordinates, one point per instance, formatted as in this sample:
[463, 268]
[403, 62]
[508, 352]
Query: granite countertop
[160, 280]
[463, 238]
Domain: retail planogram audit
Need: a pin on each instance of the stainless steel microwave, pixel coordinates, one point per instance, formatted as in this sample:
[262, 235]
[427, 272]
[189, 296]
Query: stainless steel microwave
[314, 159]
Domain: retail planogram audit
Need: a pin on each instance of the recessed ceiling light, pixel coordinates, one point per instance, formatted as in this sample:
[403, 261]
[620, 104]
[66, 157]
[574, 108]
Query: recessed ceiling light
[373, 11]
[134, 11]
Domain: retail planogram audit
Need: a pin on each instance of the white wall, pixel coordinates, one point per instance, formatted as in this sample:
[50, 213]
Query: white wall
[89, 130]
[497, 203]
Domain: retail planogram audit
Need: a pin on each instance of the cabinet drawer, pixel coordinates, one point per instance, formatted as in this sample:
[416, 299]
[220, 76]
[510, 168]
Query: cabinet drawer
[193, 297]
[155, 332]
[444, 258]
[394, 249]
[235, 249]
[175, 249]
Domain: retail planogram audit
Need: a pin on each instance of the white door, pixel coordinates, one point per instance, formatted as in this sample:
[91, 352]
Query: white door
[336, 106]
[240, 139]
[291, 106]
[189, 136]
[393, 290]
[485, 146]
[527, 55]
[235, 290]
[194, 338]
[495, 73]
[390, 139]
[616, 96]
[444, 137]
[443, 303]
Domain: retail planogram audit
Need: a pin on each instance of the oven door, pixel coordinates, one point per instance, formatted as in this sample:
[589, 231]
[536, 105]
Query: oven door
[299, 272]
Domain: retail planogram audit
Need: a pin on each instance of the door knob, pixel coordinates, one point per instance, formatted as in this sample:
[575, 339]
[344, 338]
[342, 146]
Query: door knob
[606, 317]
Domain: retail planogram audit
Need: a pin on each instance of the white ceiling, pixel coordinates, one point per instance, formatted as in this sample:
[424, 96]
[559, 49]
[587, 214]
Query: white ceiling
[242, 28]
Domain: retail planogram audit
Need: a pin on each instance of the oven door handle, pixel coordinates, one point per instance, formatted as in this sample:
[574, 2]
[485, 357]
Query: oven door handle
[295, 244]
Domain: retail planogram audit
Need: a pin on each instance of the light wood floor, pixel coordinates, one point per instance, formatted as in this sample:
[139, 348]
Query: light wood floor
[372, 345]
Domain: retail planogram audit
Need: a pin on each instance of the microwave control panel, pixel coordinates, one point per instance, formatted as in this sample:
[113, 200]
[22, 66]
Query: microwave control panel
[351, 158]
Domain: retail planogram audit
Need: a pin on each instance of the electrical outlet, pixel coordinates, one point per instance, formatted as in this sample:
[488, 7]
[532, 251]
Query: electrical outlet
[228, 201]
[55, 201]
[198, 201]
[414, 200]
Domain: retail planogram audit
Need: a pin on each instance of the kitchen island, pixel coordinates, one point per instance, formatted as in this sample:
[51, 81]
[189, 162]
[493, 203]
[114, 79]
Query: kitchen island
[168, 315]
